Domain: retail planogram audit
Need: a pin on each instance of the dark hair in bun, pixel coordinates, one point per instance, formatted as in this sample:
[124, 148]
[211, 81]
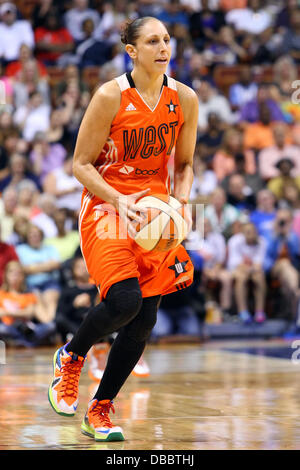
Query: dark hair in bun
[130, 31]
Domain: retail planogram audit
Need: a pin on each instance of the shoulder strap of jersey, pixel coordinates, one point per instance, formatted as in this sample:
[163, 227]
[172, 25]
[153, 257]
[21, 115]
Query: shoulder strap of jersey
[171, 83]
[125, 81]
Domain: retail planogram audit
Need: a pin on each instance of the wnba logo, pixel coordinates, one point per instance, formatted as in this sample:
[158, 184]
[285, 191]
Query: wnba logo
[2, 93]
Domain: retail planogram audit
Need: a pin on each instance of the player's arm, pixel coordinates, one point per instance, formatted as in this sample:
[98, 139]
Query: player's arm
[185, 145]
[93, 133]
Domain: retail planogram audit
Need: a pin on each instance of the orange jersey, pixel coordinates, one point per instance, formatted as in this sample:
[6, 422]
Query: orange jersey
[134, 158]
[141, 140]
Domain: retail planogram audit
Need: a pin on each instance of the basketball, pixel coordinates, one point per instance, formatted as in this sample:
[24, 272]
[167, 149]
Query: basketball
[165, 225]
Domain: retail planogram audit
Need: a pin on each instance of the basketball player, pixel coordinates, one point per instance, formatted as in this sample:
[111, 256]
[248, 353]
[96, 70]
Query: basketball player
[125, 140]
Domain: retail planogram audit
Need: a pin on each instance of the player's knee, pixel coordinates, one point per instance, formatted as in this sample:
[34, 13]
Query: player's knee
[124, 300]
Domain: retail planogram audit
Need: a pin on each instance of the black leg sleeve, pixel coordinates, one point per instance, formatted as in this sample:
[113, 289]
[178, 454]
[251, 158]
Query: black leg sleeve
[127, 349]
[121, 305]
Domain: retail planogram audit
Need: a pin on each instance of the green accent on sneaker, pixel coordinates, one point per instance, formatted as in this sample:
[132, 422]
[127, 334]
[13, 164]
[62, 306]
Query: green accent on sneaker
[51, 401]
[113, 436]
[50, 396]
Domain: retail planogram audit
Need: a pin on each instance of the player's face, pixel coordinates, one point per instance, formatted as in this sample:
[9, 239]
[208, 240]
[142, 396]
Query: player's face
[153, 49]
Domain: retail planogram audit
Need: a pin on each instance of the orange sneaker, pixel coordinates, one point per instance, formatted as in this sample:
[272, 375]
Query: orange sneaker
[63, 391]
[97, 423]
[141, 369]
[97, 357]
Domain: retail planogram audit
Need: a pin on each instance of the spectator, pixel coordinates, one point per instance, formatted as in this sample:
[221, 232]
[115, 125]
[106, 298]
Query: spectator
[251, 111]
[43, 216]
[45, 157]
[57, 134]
[173, 14]
[211, 101]
[62, 184]
[278, 148]
[264, 215]
[20, 228]
[253, 181]
[74, 299]
[27, 195]
[180, 64]
[290, 197]
[41, 264]
[71, 78]
[205, 180]
[27, 82]
[52, 39]
[244, 91]
[225, 160]
[283, 255]
[239, 194]
[277, 184]
[88, 28]
[259, 135]
[13, 69]
[213, 252]
[220, 214]
[224, 50]
[75, 17]
[291, 39]
[40, 12]
[74, 103]
[285, 73]
[7, 127]
[7, 254]
[283, 20]
[92, 52]
[110, 24]
[8, 204]
[67, 241]
[196, 70]
[265, 49]
[13, 33]
[205, 23]
[252, 19]
[33, 117]
[209, 142]
[246, 254]
[18, 172]
[23, 316]
[10, 138]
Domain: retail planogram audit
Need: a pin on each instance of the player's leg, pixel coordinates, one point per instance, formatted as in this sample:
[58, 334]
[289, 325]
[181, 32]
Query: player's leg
[122, 303]
[124, 355]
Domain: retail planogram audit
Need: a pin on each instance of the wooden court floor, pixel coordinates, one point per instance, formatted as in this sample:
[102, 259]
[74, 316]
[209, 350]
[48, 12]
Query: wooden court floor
[212, 396]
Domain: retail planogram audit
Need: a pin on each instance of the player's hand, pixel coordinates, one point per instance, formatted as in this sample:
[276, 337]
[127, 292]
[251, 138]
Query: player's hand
[129, 212]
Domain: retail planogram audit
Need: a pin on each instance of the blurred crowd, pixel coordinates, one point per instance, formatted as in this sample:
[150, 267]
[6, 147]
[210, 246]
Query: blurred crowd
[242, 59]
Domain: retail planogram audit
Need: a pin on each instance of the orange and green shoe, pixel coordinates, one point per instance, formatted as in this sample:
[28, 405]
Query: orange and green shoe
[97, 423]
[63, 391]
